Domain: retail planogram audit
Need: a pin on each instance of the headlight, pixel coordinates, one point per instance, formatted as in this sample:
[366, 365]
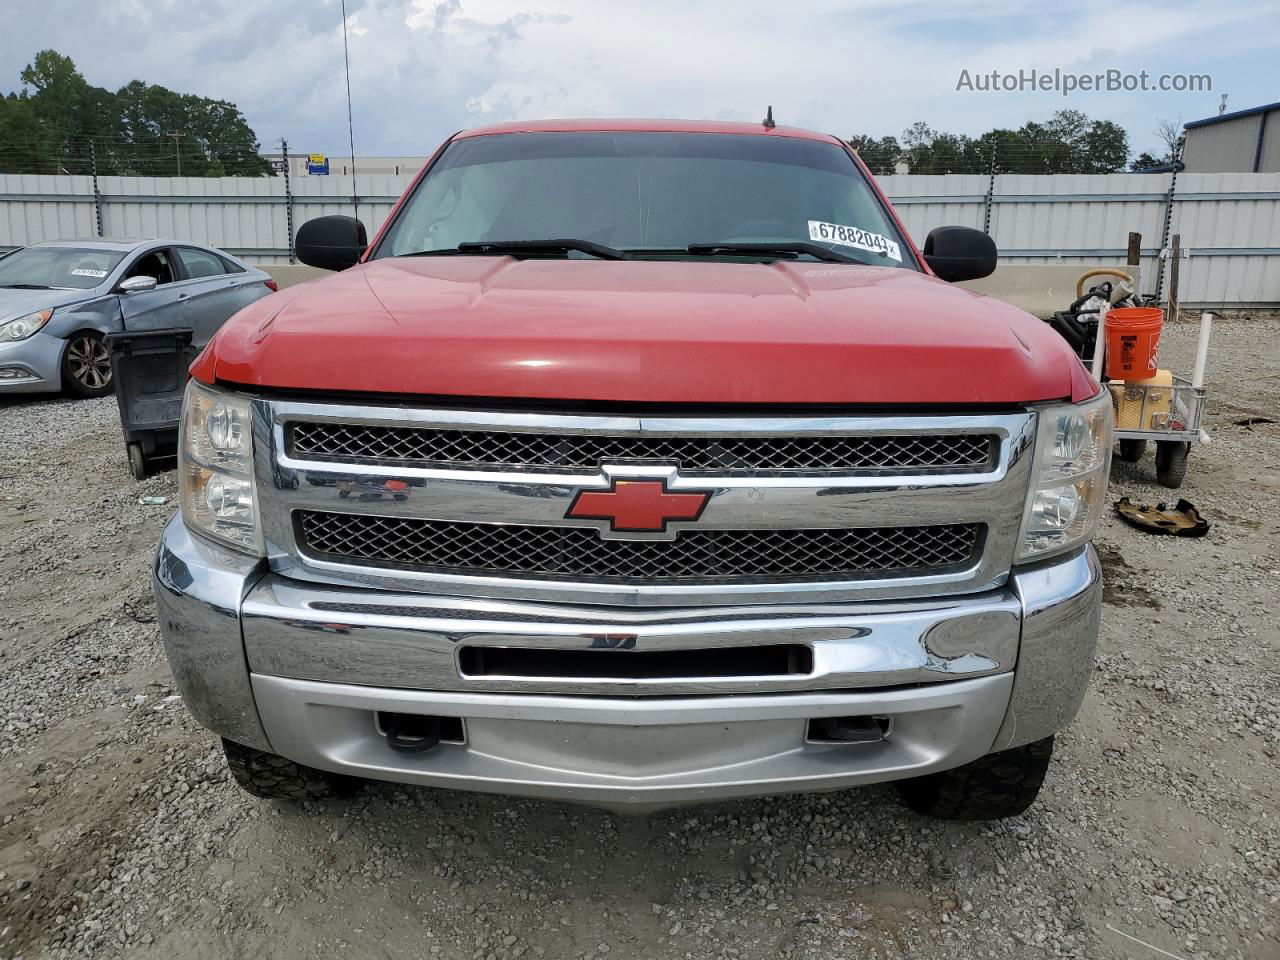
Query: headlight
[216, 468]
[23, 327]
[1069, 477]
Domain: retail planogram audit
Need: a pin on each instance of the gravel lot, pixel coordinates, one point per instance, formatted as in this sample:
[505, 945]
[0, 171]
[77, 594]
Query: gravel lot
[1157, 833]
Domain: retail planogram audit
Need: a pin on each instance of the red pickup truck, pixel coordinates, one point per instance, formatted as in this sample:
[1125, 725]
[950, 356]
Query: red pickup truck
[636, 464]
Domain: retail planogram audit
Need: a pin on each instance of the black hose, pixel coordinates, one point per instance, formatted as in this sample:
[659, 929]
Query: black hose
[1102, 290]
[1065, 327]
[1076, 328]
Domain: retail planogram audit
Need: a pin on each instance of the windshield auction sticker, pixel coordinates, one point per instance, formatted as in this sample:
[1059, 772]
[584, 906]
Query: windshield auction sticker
[853, 237]
[85, 272]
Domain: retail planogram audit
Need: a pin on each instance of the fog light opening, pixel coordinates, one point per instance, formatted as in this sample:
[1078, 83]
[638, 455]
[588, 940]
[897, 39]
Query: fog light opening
[849, 729]
[415, 732]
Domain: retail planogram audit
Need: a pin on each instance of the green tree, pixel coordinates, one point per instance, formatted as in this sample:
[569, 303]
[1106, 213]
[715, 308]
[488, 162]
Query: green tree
[880, 156]
[165, 132]
[1169, 132]
[67, 111]
[1068, 142]
[1145, 161]
[141, 129]
[984, 151]
[1090, 146]
[928, 151]
[23, 147]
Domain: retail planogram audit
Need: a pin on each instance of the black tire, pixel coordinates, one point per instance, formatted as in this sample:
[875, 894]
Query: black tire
[998, 785]
[272, 777]
[1171, 462]
[1131, 451]
[137, 462]
[86, 365]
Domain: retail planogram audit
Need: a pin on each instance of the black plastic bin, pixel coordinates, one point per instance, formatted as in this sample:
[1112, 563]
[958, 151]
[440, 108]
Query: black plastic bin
[150, 374]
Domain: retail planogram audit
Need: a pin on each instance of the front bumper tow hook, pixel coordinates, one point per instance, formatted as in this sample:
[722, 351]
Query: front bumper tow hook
[410, 734]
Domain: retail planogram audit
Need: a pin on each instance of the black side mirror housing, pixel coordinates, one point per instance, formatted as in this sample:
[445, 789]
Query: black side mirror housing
[331, 243]
[960, 253]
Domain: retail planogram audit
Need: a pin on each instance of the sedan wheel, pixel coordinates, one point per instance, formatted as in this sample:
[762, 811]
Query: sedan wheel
[86, 365]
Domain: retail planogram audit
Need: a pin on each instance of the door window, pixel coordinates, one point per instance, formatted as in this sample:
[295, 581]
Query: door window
[157, 264]
[200, 263]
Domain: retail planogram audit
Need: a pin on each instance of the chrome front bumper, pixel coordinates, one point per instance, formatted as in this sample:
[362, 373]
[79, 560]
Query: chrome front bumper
[302, 669]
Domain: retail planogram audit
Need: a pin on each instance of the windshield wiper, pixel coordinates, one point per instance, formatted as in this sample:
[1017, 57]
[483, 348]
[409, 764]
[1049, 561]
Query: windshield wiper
[783, 248]
[25, 286]
[527, 248]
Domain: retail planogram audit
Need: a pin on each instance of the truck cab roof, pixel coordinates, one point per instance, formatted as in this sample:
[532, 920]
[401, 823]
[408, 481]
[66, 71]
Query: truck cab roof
[645, 126]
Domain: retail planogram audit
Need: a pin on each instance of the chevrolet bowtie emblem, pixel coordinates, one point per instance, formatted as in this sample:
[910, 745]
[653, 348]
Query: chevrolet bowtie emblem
[638, 506]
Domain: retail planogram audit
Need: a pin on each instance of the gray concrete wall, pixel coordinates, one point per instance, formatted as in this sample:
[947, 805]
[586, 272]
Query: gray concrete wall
[1041, 289]
[287, 274]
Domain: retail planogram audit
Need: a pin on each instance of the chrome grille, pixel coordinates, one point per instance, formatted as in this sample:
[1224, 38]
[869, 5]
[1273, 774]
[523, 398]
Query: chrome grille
[580, 553]
[695, 455]
[807, 505]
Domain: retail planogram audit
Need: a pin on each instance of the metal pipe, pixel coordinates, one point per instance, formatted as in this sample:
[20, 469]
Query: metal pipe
[1099, 345]
[1202, 349]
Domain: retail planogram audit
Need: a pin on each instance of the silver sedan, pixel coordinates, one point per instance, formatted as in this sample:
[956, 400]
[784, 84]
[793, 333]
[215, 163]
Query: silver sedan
[59, 300]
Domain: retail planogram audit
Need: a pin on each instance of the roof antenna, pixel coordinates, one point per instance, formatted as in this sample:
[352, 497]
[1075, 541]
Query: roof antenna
[768, 119]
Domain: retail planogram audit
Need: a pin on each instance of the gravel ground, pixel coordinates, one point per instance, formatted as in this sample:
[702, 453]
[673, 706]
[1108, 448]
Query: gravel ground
[1156, 835]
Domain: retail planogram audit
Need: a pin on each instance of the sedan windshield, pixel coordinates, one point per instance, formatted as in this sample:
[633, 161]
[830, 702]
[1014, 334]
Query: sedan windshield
[40, 268]
[687, 195]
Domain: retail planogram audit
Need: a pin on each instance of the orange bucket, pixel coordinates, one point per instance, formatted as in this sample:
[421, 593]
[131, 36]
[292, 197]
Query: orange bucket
[1133, 342]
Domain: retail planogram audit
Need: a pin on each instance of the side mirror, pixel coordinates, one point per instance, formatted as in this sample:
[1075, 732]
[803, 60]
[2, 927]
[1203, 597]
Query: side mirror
[960, 253]
[331, 243]
[137, 284]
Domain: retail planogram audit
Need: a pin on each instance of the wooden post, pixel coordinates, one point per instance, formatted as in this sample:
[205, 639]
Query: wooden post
[1175, 254]
[1135, 249]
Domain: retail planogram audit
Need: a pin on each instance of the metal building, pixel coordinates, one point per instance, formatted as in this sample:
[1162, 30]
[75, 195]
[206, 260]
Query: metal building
[1246, 141]
[303, 164]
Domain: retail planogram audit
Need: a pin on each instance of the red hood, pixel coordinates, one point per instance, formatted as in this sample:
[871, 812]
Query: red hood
[645, 331]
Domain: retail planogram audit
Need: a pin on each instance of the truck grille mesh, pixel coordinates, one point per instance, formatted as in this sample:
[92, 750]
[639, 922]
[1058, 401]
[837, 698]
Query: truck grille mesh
[581, 553]
[726, 455]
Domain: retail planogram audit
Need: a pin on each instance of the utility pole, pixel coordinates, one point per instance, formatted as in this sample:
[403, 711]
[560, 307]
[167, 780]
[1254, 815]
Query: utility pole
[177, 153]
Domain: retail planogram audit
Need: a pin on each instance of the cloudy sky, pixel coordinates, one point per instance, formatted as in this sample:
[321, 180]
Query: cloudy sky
[422, 69]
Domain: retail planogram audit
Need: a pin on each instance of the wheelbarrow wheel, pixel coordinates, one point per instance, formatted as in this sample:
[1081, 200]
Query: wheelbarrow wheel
[1171, 462]
[1131, 451]
[137, 463]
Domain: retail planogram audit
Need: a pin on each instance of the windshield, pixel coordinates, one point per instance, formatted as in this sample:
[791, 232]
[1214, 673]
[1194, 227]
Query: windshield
[648, 193]
[54, 267]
